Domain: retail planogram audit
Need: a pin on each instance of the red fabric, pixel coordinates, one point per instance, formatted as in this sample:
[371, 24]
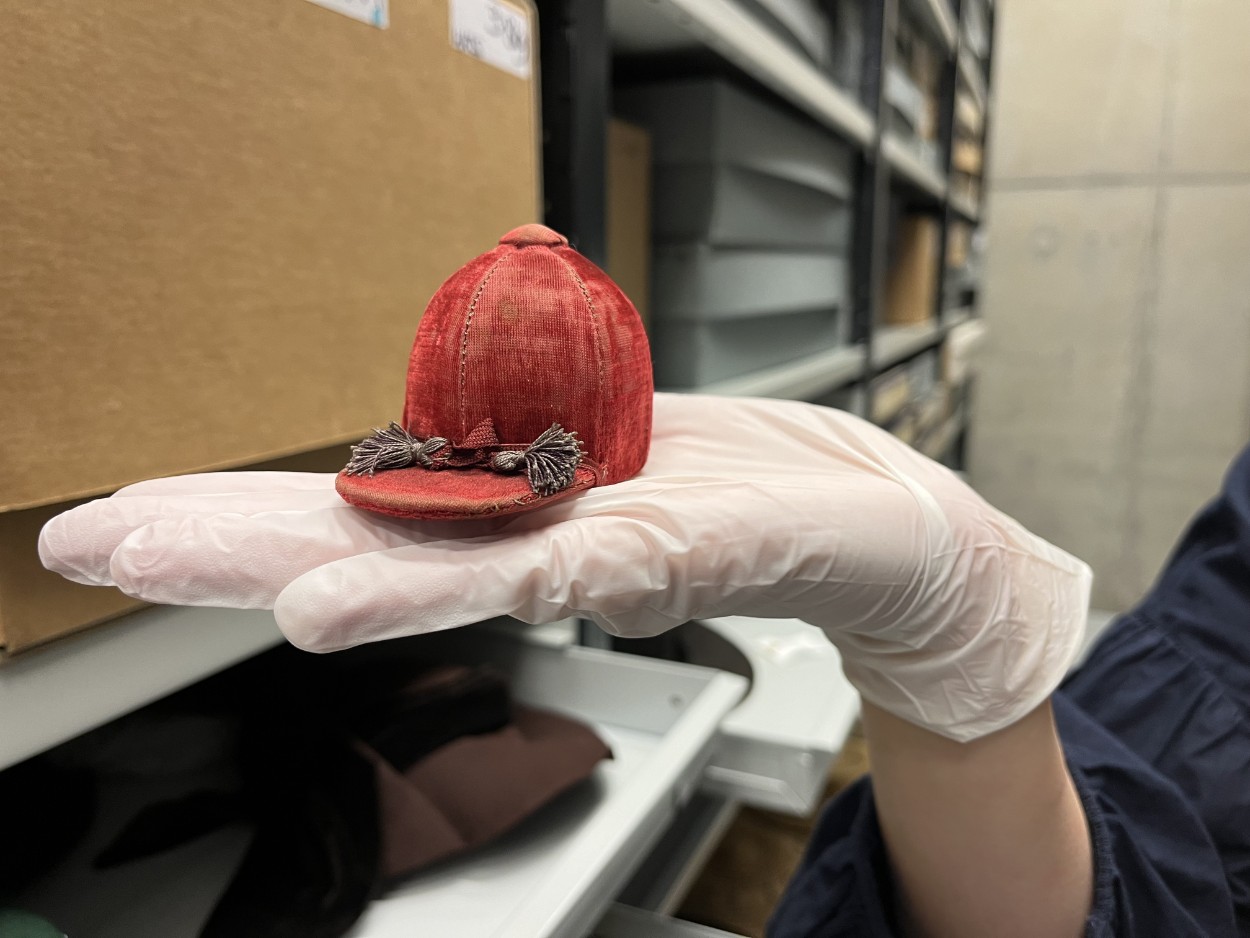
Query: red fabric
[526, 335]
[449, 494]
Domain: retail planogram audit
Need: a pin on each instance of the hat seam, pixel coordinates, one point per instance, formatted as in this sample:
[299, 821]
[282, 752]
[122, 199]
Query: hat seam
[599, 355]
[464, 340]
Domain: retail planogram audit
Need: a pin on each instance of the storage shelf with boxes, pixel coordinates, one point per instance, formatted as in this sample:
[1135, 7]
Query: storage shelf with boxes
[221, 278]
[740, 175]
[751, 219]
[744, 39]
[939, 18]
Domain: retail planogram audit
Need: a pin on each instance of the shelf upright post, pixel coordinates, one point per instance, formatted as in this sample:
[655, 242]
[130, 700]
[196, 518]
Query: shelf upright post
[576, 104]
[872, 221]
[946, 139]
[959, 452]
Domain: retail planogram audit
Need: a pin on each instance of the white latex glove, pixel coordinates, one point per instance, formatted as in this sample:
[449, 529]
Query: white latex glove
[947, 613]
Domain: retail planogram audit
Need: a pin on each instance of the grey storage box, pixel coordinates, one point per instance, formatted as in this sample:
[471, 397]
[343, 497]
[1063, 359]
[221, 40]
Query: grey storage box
[731, 206]
[722, 313]
[689, 354]
[706, 284]
[734, 170]
[905, 98]
[710, 121]
[801, 23]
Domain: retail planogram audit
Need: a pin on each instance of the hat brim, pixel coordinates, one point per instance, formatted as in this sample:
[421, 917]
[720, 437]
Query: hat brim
[451, 494]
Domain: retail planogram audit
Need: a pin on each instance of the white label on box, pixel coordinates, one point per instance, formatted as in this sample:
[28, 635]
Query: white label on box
[493, 31]
[373, 12]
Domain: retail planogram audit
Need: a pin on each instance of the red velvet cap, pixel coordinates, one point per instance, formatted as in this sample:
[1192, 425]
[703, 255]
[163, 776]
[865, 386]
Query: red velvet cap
[525, 336]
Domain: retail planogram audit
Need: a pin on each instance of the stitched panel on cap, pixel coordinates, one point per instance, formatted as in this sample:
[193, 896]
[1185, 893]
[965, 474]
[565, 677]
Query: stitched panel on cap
[531, 359]
[432, 406]
[628, 387]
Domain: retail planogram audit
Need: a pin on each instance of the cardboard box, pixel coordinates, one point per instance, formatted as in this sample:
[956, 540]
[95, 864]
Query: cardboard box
[629, 213]
[911, 289]
[219, 224]
[967, 156]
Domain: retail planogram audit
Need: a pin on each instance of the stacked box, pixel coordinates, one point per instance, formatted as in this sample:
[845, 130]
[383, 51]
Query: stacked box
[912, 90]
[751, 218]
[911, 285]
[728, 313]
[829, 33]
[967, 148]
[221, 222]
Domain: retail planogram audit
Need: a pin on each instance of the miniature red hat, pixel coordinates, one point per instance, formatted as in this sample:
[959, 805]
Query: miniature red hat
[529, 381]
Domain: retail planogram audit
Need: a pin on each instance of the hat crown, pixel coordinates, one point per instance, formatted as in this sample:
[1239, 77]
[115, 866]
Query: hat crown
[527, 335]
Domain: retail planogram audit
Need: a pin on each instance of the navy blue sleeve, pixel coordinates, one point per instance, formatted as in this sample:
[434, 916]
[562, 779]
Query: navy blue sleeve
[1156, 731]
[1157, 873]
[1171, 681]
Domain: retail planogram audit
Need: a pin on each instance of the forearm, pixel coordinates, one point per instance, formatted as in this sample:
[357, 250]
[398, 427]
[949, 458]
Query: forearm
[986, 838]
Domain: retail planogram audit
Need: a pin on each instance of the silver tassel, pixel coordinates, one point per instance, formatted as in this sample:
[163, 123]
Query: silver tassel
[392, 448]
[550, 461]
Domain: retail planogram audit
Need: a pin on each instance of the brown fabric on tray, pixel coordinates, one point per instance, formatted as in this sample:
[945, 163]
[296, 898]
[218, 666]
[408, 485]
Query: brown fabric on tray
[476, 788]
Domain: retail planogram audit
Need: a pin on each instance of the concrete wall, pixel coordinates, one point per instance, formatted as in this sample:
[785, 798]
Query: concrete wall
[1115, 387]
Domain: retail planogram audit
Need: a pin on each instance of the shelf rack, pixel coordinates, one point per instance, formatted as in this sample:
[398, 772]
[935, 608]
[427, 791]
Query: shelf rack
[727, 31]
[939, 17]
[803, 379]
[53, 693]
[970, 74]
[908, 164]
[726, 28]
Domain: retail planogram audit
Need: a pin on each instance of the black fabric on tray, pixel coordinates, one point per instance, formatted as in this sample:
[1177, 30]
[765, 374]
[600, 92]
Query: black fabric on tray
[168, 824]
[313, 738]
[51, 809]
[312, 866]
[407, 722]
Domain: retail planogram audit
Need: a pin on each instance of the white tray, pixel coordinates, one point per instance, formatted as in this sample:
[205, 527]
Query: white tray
[553, 877]
[776, 747]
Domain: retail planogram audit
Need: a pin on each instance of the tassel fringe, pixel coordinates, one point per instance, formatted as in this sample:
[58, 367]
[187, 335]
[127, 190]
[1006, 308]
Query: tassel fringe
[392, 448]
[550, 461]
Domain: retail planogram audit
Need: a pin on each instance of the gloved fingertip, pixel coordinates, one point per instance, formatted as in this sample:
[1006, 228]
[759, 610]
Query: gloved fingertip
[308, 620]
[56, 553]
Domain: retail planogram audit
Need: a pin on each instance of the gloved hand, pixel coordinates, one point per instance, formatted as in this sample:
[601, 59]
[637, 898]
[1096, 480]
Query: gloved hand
[947, 613]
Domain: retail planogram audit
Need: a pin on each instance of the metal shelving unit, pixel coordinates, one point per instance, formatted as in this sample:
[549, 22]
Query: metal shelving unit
[909, 166]
[727, 28]
[965, 209]
[798, 380]
[72, 685]
[970, 74]
[892, 344]
[940, 18]
[726, 32]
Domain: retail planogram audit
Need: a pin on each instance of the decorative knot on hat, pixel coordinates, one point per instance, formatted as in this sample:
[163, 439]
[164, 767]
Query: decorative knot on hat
[549, 463]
